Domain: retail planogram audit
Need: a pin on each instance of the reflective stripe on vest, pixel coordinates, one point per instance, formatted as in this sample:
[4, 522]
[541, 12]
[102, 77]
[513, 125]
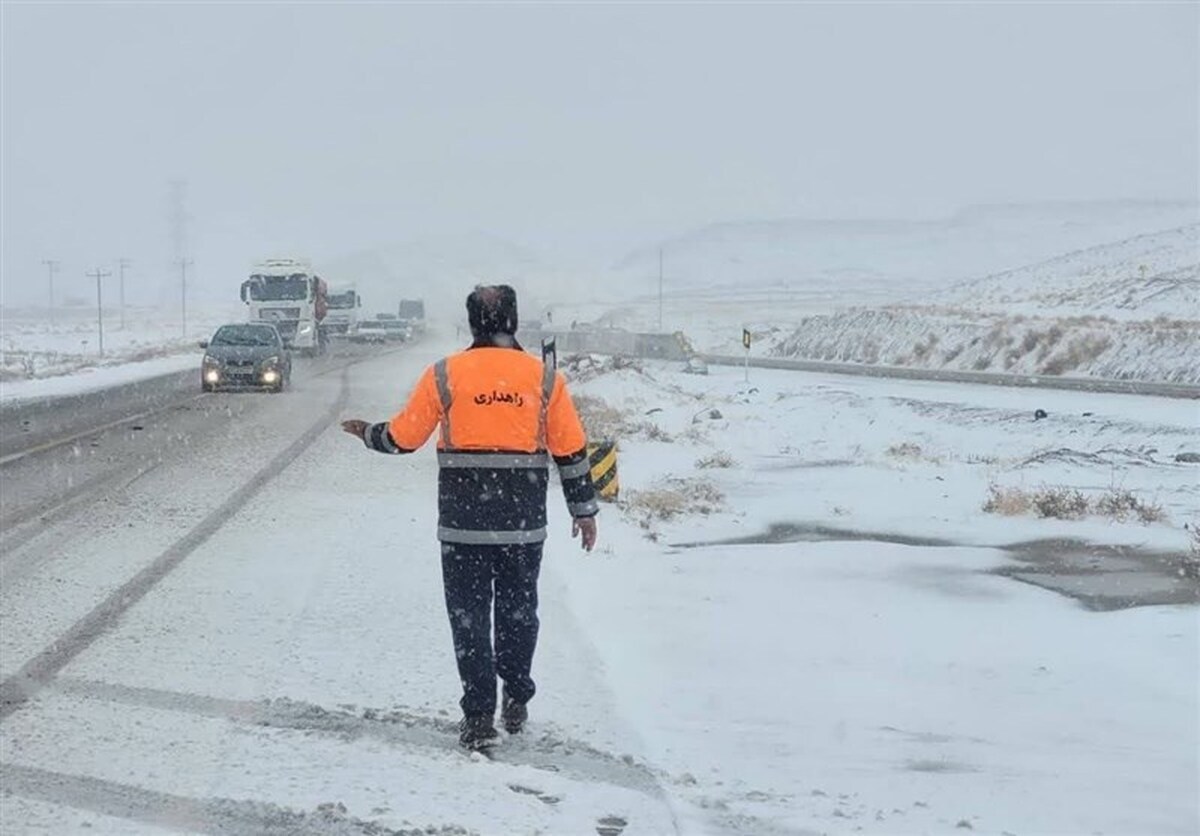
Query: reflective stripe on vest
[547, 393]
[500, 461]
[442, 377]
[490, 538]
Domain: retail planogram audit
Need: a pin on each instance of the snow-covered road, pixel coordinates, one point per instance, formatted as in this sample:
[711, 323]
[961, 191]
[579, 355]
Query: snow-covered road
[292, 672]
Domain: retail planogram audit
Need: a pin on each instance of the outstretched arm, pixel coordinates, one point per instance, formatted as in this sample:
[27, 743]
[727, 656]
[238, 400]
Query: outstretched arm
[377, 437]
[409, 428]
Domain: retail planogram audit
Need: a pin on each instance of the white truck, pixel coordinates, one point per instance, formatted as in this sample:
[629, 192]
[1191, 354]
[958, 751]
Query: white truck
[342, 319]
[288, 294]
[412, 314]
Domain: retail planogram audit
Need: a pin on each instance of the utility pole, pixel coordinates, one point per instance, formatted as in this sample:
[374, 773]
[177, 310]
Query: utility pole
[52, 268]
[122, 264]
[660, 285]
[99, 274]
[183, 263]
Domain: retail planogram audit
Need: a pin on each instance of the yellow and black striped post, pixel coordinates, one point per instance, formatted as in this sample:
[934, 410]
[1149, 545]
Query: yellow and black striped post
[602, 457]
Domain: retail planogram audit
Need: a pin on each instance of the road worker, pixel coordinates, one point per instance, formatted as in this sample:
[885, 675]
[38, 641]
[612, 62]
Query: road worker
[502, 416]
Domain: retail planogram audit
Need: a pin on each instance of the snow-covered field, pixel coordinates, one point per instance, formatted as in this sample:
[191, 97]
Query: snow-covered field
[34, 346]
[833, 684]
[799, 620]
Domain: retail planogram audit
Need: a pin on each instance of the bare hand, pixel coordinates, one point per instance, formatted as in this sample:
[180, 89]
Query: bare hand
[585, 529]
[355, 427]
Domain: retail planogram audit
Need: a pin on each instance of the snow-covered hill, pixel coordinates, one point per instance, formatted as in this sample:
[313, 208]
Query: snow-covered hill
[1137, 278]
[1161, 349]
[1125, 309]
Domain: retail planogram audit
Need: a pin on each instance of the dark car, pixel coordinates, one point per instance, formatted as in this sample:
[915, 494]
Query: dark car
[245, 356]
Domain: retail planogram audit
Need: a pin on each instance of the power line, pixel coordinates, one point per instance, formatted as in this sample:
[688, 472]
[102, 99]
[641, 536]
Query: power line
[99, 274]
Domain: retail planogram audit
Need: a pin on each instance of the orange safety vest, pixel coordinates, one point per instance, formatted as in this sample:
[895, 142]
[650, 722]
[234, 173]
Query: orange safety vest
[502, 415]
[491, 399]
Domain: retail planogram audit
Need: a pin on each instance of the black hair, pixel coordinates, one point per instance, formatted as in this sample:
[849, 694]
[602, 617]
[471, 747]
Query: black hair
[491, 310]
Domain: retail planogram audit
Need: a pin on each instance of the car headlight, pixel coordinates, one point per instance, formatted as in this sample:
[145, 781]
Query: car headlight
[271, 361]
[211, 376]
[306, 329]
[270, 376]
[209, 360]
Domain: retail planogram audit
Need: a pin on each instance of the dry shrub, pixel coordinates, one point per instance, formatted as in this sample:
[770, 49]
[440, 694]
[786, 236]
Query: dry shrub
[1060, 503]
[652, 432]
[906, 450]
[1080, 350]
[1069, 504]
[719, 459]
[600, 420]
[870, 351]
[675, 497]
[1122, 504]
[1008, 502]
[922, 350]
[583, 367]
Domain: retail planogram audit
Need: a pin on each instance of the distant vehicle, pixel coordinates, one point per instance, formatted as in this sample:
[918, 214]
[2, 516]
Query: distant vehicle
[288, 294]
[396, 328]
[250, 355]
[369, 331]
[412, 312]
[342, 319]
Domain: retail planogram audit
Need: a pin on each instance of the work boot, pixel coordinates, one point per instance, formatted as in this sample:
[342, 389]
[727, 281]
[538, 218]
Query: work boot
[477, 732]
[513, 715]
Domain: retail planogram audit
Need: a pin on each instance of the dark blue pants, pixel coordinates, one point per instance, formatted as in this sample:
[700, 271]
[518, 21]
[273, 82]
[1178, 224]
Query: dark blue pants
[469, 575]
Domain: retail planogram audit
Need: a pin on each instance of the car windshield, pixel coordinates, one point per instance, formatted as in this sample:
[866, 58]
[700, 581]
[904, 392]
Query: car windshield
[245, 335]
[340, 301]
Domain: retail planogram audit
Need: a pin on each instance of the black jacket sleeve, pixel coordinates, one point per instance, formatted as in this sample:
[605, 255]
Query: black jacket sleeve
[576, 475]
[378, 438]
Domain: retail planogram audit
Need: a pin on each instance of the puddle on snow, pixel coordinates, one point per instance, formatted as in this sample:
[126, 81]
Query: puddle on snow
[1100, 577]
[813, 533]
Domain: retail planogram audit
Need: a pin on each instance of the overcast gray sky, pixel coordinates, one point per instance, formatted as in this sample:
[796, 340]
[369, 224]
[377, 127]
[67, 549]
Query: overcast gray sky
[579, 130]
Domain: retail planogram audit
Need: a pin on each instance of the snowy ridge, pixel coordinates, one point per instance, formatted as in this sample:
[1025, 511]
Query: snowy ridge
[1144, 276]
[1124, 310]
[926, 338]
